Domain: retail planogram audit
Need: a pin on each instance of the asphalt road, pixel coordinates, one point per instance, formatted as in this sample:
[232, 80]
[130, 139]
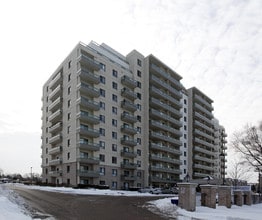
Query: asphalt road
[92, 207]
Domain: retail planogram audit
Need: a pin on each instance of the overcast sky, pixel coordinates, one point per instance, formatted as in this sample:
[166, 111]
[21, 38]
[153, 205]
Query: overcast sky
[215, 46]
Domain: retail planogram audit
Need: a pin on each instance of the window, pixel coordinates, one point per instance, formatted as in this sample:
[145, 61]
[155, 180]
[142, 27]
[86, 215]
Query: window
[102, 144]
[114, 85]
[184, 162]
[138, 95]
[139, 174]
[114, 160]
[114, 185]
[46, 160]
[68, 155]
[185, 119]
[185, 128]
[138, 84]
[103, 66]
[102, 131]
[68, 116]
[69, 64]
[184, 153]
[139, 62]
[68, 103]
[114, 135]
[102, 118]
[185, 171]
[185, 101]
[138, 151]
[68, 169]
[139, 107]
[102, 171]
[139, 163]
[114, 98]
[46, 140]
[138, 118]
[138, 73]
[184, 145]
[185, 136]
[138, 130]
[114, 122]
[103, 79]
[138, 140]
[114, 110]
[69, 77]
[69, 90]
[114, 147]
[102, 157]
[68, 143]
[114, 73]
[102, 182]
[68, 129]
[103, 92]
[46, 150]
[114, 172]
[102, 105]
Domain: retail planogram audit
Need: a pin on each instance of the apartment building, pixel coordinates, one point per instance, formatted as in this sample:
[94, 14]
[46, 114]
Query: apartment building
[122, 121]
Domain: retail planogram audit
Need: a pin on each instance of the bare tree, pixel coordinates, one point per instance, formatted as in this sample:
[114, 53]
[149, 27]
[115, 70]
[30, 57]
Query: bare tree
[1, 172]
[248, 142]
[239, 170]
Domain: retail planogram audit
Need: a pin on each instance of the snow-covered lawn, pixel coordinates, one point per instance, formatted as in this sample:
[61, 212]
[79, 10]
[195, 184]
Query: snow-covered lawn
[11, 206]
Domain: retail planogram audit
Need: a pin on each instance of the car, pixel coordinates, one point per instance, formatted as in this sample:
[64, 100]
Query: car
[173, 190]
[150, 190]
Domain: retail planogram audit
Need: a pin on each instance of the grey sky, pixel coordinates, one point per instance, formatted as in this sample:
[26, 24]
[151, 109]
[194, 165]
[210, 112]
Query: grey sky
[214, 45]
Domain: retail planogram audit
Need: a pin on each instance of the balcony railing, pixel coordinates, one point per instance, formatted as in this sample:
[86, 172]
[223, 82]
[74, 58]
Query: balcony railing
[160, 115]
[128, 165]
[89, 62]
[131, 83]
[55, 162]
[55, 150]
[55, 105]
[128, 129]
[87, 117]
[55, 139]
[157, 135]
[128, 141]
[88, 90]
[203, 101]
[128, 178]
[88, 76]
[165, 159]
[88, 160]
[128, 105]
[165, 127]
[165, 169]
[56, 116]
[55, 128]
[90, 146]
[89, 132]
[88, 104]
[55, 81]
[127, 117]
[55, 93]
[88, 173]
[165, 148]
[127, 93]
[128, 154]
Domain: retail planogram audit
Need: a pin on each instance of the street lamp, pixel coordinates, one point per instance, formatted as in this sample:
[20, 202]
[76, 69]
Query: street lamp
[222, 156]
[31, 176]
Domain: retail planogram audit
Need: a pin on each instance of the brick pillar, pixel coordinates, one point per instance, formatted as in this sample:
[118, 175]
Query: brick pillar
[247, 198]
[208, 196]
[224, 196]
[238, 197]
[187, 196]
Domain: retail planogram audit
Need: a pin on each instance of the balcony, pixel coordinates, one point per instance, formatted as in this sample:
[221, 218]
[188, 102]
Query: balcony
[128, 141]
[162, 116]
[55, 173]
[89, 62]
[205, 143]
[206, 159]
[203, 150]
[165, 170]
[55, 93]
[55, 117]
[160, 136]
[162, 179]
[160, 105]
[88, 160]
[128, 178]
[55, 150]
[205, 119]
[55, 128]
[204, 110]
[161, 126]
[127, 81]
[55, 105]
[162, 73]
[128, 105]
[128, 154]
[128, 117]
[128, 129]
[55, 162]
[55, 139]
[129, 94]
[204, 167]
[160, 83]
[89, 77]
[130, 166]
[165, 159]
[203, 101]
[89, 146]
[202, 125]
[88, 90]
[87, 117]
[56, 81]
[88, 173]
[88, 104]
[203, 134]
[88, 132]
[164, 148]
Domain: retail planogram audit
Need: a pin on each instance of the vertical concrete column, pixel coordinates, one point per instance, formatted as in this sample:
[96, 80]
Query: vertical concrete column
[247, 198]
[208, 196]
[238, 197]
[187, 196]
[224, 196]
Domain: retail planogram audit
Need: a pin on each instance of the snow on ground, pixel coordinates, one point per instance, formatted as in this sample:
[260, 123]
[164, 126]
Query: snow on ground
[11, 205]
